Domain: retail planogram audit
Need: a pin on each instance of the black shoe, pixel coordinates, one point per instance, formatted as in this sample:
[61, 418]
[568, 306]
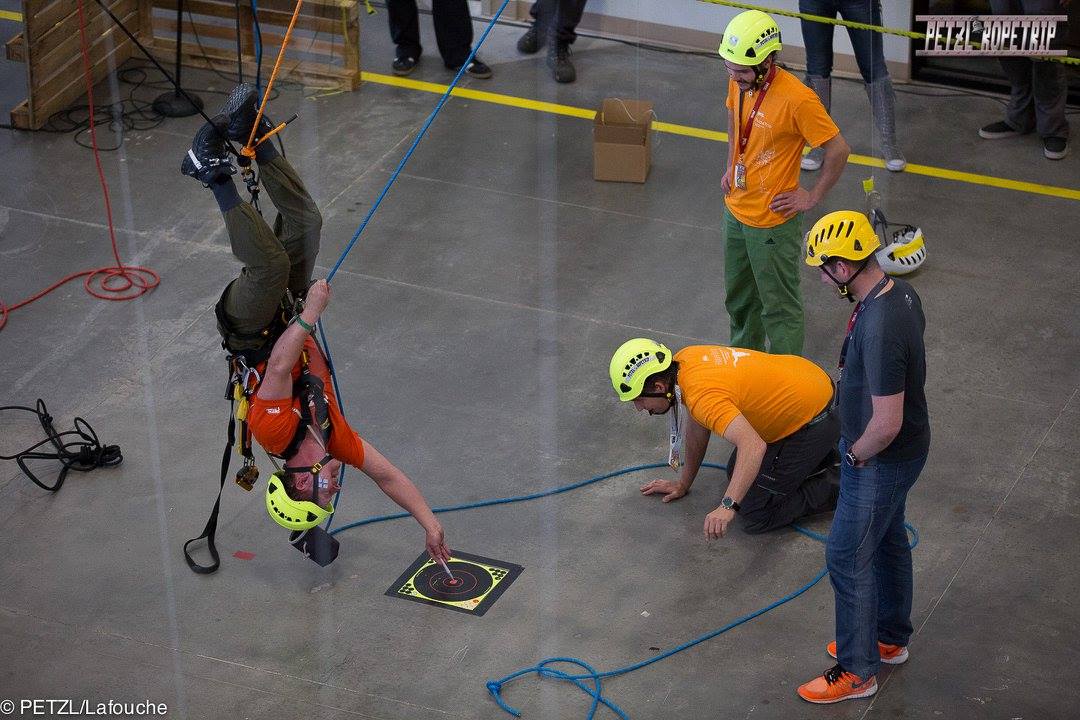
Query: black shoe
[208, 158]
[1055, 148]
[240, 109]
[998, 130]
[477, 68]
[404, 65]
[531, 41]
[558, 60]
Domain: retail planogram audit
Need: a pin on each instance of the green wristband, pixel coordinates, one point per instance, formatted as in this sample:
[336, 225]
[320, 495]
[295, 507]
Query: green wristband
[300, 321]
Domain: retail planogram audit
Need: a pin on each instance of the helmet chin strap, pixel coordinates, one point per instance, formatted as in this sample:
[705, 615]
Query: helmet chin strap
[842, 287]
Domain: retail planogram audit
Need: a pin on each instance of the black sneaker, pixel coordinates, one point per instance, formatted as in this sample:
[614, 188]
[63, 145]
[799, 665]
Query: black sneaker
[208, 158]
[531, 41]
[1055, 148]
[404, 65]
[477, 69]
[998, 130]
[240, 109]
[558, 60]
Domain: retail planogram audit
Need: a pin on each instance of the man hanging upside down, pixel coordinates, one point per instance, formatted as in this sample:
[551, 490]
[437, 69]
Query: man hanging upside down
[294, 414]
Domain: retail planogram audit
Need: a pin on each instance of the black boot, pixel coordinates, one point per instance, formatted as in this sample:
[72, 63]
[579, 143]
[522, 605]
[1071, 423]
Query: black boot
[558, 60]
[240, 110]
[531, 41]
[208, 158]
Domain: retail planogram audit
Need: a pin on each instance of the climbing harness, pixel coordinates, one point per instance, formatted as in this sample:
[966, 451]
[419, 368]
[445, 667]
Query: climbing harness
[78, 449]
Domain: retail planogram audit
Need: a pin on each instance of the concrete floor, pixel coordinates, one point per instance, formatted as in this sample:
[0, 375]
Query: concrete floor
[471, 328]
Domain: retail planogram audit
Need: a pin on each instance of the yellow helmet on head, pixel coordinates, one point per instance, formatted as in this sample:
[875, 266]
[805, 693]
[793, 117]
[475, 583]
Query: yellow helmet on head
[633, 363]
[843, 235]
[292, 514]
[749, 38]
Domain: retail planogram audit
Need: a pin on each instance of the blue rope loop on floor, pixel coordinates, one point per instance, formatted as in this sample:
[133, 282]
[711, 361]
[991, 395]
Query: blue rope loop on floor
[543, 668]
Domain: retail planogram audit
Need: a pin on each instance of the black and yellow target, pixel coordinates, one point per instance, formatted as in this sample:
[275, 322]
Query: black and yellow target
[476, 584]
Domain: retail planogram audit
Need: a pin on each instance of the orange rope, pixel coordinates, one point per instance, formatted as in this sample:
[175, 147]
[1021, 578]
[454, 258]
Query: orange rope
[249, 148]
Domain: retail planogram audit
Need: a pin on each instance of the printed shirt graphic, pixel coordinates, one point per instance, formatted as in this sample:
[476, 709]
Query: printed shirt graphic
[777, 394]
[790, 116]
[273, 422]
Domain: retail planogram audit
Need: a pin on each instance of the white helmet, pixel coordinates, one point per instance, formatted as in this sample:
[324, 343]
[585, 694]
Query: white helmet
[905, 253]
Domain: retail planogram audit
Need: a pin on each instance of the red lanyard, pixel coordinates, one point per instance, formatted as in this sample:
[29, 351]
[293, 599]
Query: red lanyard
[855, 318]
[744, 137]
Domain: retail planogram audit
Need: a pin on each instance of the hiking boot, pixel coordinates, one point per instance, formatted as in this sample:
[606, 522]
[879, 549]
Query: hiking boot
[1055, 148]
[890, 654]
[836, 685]
[404, 65]
[477, 69]
[558, 60]
[531, 41]
[998, 130]
[240, 109]
[208, 157]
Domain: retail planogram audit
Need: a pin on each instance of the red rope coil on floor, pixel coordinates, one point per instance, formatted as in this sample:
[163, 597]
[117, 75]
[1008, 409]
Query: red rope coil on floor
[119, 282]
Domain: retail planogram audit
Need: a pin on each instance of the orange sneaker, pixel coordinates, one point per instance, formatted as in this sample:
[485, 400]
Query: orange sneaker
[836, 685]
[890, 654]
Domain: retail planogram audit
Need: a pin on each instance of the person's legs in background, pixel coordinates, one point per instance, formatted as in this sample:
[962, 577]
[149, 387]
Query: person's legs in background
[454, 36]
[818, 38]
[404, 22]
[870, 55]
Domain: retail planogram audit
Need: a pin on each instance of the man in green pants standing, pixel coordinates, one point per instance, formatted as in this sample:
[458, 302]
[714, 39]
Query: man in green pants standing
[771, 116]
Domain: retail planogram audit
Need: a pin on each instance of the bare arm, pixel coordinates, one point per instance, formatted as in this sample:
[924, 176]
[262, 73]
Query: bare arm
[697, 442]
[725, 183]
[883, 427]
[751, 449]
[794, 201]
[399, 488]
[836, 155]
[277, 380]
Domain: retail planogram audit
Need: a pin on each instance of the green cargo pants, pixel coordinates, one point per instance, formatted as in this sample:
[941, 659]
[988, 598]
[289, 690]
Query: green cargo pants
[761, 278]
[274, 260]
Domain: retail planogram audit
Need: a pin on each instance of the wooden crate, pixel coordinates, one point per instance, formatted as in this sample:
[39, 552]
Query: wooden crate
[324, 48]
[49, 45]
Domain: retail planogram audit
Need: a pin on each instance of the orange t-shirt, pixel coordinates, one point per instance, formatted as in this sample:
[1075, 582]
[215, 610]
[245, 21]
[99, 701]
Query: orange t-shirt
[777, 394]
[273, 422]
[790, 117]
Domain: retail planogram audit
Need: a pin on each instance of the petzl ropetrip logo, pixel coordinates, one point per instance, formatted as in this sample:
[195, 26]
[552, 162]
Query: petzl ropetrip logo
[990, 35]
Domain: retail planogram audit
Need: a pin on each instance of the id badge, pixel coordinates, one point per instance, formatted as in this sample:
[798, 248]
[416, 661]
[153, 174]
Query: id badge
[740, 176]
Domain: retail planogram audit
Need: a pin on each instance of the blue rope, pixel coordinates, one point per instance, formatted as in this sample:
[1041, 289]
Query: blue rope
[416, 141]
[544, 667]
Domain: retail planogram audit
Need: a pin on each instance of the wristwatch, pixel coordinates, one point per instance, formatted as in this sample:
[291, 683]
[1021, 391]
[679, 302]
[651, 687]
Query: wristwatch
[852, 460]
[729, 504]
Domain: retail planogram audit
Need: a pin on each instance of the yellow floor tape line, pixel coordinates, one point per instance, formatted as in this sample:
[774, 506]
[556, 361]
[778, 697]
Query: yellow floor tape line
[716, 135]
[10, 15]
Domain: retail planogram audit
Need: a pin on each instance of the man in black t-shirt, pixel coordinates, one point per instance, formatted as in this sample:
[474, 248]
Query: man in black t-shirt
[884, 441]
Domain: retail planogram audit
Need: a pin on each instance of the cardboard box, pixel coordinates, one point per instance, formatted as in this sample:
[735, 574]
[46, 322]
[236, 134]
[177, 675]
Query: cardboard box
[622, 140]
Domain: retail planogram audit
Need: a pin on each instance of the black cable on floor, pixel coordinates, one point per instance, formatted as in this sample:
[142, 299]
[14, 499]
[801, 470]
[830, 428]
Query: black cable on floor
[82, 450]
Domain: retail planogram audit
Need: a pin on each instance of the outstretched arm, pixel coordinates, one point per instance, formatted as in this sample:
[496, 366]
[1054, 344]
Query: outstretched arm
[277, 380]
[399, 488]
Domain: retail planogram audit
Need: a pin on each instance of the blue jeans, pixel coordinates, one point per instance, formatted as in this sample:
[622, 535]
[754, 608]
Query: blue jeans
[818, 37]
[869, 561]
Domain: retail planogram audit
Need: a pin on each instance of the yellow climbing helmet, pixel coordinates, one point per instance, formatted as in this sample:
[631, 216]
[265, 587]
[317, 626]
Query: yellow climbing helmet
[749, 38]
[633, 362]
[845, 234]
[292, 514]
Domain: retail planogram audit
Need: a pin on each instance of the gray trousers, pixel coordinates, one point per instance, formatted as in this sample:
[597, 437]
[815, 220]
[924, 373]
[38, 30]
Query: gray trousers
[275, 260]
[1038, 88]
